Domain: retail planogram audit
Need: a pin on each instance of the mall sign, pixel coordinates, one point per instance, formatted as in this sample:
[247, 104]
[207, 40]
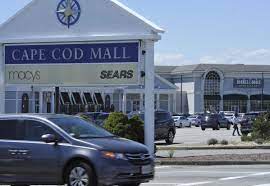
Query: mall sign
[248, 83]
[73, 64]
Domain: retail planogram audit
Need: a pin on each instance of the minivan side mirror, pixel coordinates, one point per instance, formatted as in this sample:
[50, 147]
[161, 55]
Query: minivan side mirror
[49, 138]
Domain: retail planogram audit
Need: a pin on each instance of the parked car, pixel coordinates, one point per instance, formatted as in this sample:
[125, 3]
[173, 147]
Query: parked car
[95, 117]
[164, 125]
[195, 120]
[247, 122]
[101, 118]
[60, 149]
[181, 121]
[229, 115]
[215, 121]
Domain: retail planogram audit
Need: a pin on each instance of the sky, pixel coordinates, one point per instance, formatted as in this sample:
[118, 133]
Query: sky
[200, 31]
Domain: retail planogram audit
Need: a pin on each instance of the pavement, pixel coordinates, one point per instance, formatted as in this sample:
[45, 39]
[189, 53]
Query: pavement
[247, 175]
[194, 136]
[190, 148]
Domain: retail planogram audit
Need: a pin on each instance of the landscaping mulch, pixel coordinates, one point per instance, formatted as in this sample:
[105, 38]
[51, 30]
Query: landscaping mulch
[223, 157]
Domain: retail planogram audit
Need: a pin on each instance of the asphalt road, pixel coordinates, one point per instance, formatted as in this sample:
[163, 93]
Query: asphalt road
[195, 136]
[248, 175]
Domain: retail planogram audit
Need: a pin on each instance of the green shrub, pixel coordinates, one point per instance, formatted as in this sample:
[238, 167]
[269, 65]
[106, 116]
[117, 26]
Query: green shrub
[246, 138]
[135, 129]
[119, 124]
[224, 142]
[261, 127]
[212, 141]
[259, 141]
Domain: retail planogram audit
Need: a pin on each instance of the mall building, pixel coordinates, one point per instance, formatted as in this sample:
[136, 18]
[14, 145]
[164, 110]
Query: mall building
[219, 87]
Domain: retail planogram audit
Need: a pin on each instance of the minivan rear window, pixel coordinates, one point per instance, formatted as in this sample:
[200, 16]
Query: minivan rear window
[8, 129]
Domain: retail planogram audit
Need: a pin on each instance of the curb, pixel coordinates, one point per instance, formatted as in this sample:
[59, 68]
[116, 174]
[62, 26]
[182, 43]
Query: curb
[207, 163]
[214, 147]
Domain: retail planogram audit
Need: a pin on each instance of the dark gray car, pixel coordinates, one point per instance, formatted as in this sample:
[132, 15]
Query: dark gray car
[164, 125]
[59, 149]
[215, 121]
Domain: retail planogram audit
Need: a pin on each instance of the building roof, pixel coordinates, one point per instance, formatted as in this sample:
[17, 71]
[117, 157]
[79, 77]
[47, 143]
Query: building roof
[204, 67]
[100, 20]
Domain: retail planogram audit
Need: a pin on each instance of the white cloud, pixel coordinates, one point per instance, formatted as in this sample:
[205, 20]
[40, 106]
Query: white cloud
[239, 56]
[171, 59]
[230, 56]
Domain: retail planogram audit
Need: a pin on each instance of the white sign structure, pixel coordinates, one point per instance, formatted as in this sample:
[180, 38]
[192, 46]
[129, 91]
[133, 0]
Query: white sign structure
[82, 22]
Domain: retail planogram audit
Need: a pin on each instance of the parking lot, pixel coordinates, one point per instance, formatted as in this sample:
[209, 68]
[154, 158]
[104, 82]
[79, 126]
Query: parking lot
[195, 136]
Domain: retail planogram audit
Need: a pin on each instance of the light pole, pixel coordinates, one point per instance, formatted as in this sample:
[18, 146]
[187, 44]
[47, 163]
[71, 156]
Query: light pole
[181, 94]
[262, 85]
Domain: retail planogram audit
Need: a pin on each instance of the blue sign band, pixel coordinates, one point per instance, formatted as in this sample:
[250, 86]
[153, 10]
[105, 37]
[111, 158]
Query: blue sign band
[72, 53]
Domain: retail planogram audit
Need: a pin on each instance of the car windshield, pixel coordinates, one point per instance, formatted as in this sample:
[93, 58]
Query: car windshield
[79, 128]
[192, 117]
[103, 116]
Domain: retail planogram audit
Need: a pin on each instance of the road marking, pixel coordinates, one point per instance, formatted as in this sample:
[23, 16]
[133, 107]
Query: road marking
[218, 172]
[263, 185]
[180, 184]
[261, 174]
[162, 167]
[195, 183]
[240, 177]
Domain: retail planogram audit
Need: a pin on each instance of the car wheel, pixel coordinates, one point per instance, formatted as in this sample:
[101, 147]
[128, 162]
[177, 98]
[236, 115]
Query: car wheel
[213, 128]
[20, 185]
[80, 173]
[170, 137]
[228, 127]
[218, 127]
[180, 125]
[203, 128]
[189, 125]
[131, 184]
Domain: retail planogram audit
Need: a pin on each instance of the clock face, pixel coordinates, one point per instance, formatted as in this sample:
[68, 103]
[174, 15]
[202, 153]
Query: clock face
[68, 12]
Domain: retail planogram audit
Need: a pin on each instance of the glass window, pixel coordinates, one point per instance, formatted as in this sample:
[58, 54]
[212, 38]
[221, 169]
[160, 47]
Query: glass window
[161, 116]
[88, 98]
[65, 98]
[80, 128]
[99, 98]
[212, 84]
[8, 129]
[33, 130]
[77, 97]
[212, 89]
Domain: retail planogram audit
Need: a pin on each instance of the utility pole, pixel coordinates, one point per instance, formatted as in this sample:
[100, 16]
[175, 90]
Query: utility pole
[262, 91]
[57, 98]
[181, 94]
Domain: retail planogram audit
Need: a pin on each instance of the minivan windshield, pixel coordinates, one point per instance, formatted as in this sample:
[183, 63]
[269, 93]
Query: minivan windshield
[79, 128]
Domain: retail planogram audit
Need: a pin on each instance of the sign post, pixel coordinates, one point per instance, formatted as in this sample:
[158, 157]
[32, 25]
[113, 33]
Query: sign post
[149, 128]
[2, 81]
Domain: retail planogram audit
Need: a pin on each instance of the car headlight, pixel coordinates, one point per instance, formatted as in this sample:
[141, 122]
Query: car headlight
[113, 155]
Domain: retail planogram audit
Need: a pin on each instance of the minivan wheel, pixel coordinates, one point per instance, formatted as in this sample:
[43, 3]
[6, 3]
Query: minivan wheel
[80, 173]
[170, 137]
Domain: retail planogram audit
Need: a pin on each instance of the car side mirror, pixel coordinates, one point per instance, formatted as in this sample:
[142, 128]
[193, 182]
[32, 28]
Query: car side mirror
[49, 138]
